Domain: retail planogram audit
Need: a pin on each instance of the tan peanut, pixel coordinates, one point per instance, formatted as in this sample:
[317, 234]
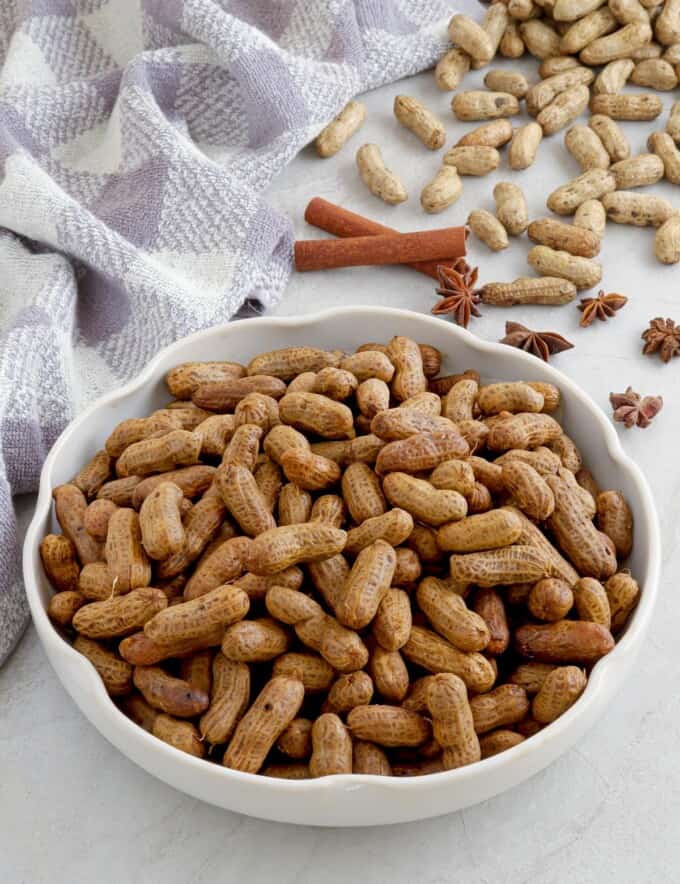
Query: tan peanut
[451, 68]
[493, 530]
[269, 479]
[556, 65]
[317, 414]
[126, 558]
[255, 641]
[389, 674]
[591, 216]
[226, 562]
[278, 548]
[560, 690]
[472, 159]
[393, 424]
[135, 429]
[454, 475]
[70, 508]
[114, 672]
[543, 93]
[63, 605]
[590, 599]
[296, 740]
[331, 747]
[382, 182]
[421, 451]
[479, 105]
[623, 594]
[507, 81]
[58, 556]
[489, 605]
[541, 40]
[566, 237]
[667, 241]
[512, 564]
[499, 741]
[512, 44]
[225, 395]
[350, 690]
[336, 383]
[94, 474]
[434, 653]
[471, 38]
[258, 410]
[388, 725]
[295, 505]
[664, 147]
[450, 616]
[369, 759]
[194, 619]
[542, 459]
[201, 524]
[273, 710]
[488, 229]
[183, 379]
[452, 721]
[177, 448]
[362, 493]
[586, 148]
[493, 134]
[613, 77]
[615, 518]
[366, 364]
[282, 438]
[638, 209]
[120, 491]
[181, 735]
[511, 396]
[524, 145]
[550, 599]
[638, 171]
[667, 25]
[422, 501]
[583, 272]
[528, 489]
[96, 518]
[310, 471]
[229, 697]
[611, 135]
[620, 44]
[340, 129]
[563, 109]
[160, 521]
[392, 622]
[244, 500]
[373, 396]
[656, 73]
[503, 706]
[511, 207]
[193, 481]
[529, 290]
[673, 124]
[587, 30]
[289, 362]
[315, 673]
[417, 118]
[592, 184]
[627, 107]
[216, 431]
[366, 585]
[523, 431]
[244, 447]
[576, 535]
[393, 526]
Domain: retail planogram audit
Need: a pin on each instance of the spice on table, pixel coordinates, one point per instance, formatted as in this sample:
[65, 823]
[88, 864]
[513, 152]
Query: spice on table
[384, 248]
[459, 295]
[341, 222]
[632, 410]
[662, 337]
[541, 344]
[602, 307]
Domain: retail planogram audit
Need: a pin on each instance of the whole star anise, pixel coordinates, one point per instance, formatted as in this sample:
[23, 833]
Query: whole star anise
[459, 295]
[602, 307]
[662, 337]
[632, 410]
[541, 344]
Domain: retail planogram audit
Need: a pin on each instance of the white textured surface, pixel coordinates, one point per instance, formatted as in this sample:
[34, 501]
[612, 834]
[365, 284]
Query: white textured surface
[73, 809]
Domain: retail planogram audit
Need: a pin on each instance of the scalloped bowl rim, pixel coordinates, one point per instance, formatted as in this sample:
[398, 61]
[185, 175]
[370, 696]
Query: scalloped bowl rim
[119, 729]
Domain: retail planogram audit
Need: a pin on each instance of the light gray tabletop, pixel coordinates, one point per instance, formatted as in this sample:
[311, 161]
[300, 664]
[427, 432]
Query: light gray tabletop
[73, 809]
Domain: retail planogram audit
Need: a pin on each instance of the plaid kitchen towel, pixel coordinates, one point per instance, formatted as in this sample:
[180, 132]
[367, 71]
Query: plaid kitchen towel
[136, 138]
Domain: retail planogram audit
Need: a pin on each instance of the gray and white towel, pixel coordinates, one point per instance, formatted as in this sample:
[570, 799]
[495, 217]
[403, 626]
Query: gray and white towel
[136, 138]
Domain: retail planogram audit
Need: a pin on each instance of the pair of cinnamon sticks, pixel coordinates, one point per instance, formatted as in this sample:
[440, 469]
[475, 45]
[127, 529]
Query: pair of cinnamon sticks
[365, 242]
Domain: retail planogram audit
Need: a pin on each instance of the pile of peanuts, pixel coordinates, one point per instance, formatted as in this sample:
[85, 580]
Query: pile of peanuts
[636, 40]
[328, 563]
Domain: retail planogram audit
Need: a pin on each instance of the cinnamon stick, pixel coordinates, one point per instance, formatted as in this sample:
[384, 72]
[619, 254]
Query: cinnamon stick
[384, 248]
[341, 222]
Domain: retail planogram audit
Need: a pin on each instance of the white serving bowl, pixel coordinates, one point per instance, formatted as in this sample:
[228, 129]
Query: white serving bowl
[345, 800]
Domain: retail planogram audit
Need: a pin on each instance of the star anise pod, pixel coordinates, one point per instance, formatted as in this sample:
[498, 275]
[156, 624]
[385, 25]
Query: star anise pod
[541, 344]
[662, 337]
[632, 410]
[459, 295]
[602, 307]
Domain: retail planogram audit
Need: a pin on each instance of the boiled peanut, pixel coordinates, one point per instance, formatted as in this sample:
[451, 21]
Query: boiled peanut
[512, 564]
[566, 641]
[70, 508]
[279, 548]
[492, 530]
[244, 500]
[393, 526]
[452, 722]
[58, 556]
[488, 604]
[615, 518]
[550, 599]
[432, 652]
[529, 290]
[623, 593]
[340, 129]
[366, 586]
[377, 177]
[362, 493]
[560, 690]
[505, 705]
[422, 501]
[450, 616]
[193, 619]
[181, 735]
[388, 725]
[540, 39]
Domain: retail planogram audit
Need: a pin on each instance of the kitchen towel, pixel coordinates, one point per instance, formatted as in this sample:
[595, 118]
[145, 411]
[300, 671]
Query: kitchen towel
[136, 139]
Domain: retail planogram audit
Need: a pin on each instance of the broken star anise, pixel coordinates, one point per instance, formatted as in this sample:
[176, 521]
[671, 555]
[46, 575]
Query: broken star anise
[662, 337]
[632, 410]
[541, 344]
[459, 295]
[602, 307]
